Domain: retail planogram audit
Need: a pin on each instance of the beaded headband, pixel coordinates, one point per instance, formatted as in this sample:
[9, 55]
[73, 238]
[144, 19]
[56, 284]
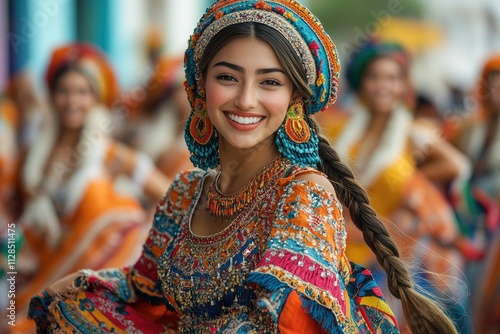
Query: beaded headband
[295, 22]
[270, 19]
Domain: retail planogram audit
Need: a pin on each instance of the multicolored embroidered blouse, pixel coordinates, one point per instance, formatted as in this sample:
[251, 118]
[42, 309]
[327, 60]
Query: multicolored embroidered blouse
[279, 267]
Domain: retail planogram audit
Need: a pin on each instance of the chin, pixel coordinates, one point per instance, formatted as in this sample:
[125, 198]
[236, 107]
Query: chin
[73, 125]
[246, 142]
[383, 109]
[243, 145]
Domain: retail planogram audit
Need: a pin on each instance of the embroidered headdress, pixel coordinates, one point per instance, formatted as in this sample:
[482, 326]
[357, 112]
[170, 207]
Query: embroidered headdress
[297, 24]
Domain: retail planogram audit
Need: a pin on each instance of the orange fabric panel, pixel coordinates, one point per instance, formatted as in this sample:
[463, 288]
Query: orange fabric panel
[98, 200]
[294, 319]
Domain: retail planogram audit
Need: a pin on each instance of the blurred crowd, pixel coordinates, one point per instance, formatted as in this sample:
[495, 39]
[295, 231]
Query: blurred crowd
[82, 169]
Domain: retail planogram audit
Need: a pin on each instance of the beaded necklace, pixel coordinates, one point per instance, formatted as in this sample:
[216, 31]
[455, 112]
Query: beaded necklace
[220, 204]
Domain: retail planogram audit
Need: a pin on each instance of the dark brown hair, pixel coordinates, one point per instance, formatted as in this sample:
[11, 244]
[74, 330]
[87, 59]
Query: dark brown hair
[67, 69]
[422, 314]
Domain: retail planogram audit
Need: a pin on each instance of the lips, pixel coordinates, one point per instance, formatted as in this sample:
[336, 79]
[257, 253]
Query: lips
[244, 120]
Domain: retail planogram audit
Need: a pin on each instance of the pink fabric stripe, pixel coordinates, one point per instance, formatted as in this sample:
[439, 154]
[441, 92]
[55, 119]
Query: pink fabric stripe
[300, 265]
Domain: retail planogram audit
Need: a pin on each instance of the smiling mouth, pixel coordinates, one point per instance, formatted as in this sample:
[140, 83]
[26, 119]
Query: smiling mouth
[244, 120]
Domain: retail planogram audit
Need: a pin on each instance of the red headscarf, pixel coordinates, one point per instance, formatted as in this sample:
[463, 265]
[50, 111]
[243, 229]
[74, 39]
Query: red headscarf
[92, 63]
[482, 92]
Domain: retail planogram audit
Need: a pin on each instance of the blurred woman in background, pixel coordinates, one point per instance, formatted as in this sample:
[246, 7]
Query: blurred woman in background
[479, 138]
[9, 124]
[396, 159]
[72, 215]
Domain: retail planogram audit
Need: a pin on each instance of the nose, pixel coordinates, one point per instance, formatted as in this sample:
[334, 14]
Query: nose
[247, 98]
[72, 98]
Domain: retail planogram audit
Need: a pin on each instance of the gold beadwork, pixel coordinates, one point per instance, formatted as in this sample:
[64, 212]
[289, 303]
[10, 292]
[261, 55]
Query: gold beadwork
[228, 205]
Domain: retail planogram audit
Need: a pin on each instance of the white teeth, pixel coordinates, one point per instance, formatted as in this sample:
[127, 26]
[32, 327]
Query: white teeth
[244, 120]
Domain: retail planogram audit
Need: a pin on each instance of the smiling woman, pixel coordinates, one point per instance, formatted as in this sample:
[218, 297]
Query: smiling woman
[254, 241]
[247, 94]
[72, 216]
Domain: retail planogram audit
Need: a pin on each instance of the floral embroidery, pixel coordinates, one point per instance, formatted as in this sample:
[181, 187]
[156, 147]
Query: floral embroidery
[86, 305]
[314, 47]
[291, 238]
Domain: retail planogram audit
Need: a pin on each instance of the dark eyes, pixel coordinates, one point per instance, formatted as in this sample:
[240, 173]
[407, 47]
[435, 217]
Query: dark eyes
[67, 91]
[226, 77]
[272, 82]
[230, 78]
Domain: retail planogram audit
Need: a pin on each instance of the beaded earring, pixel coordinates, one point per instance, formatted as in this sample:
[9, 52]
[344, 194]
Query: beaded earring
[295, 140]
[201, 137]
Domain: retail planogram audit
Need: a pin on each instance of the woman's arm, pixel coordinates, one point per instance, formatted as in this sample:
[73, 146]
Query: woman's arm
[437, 159]
[139, 167]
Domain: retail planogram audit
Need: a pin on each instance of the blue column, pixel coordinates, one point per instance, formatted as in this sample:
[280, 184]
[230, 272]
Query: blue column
[94, 19]
[4, 59]
[35, 28]
[19, 36]
[56, 26]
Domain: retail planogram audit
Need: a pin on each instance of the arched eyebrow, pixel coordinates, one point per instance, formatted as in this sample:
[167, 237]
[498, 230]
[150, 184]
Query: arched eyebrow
[242, 70]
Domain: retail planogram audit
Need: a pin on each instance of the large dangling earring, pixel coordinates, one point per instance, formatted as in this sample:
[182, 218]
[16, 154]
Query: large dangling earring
[296, 140]
[201, 137]
[295, 126]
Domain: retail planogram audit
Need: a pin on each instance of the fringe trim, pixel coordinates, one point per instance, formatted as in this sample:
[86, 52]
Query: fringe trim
[327, 318]
[322, 315]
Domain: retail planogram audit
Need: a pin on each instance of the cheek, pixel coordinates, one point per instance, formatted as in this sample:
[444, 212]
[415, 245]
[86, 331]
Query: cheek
[400, 88]
[277, 107]
[89, 100]
[368, 88]
[58, 100]
[215, 97]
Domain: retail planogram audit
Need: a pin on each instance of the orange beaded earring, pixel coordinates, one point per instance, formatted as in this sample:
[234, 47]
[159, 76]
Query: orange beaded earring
[295, 140]
[201, 137]
[295, 126]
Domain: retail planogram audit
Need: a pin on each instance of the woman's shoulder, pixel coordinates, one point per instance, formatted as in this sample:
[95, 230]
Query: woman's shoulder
[307, 192]
[306, 179]
[190, 177]
[183, 188]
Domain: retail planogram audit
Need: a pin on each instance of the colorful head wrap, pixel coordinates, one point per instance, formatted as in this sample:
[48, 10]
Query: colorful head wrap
[295, 22]
[369, 52]
[482, 91]
[91, 62]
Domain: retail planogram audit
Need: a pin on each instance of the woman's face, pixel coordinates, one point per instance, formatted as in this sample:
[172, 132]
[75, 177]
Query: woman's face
[73, 98]
[247, 93]
[383, 86]
[494, 88]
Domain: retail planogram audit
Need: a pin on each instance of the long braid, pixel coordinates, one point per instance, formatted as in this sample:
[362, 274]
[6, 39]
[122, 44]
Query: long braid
[422, 314]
